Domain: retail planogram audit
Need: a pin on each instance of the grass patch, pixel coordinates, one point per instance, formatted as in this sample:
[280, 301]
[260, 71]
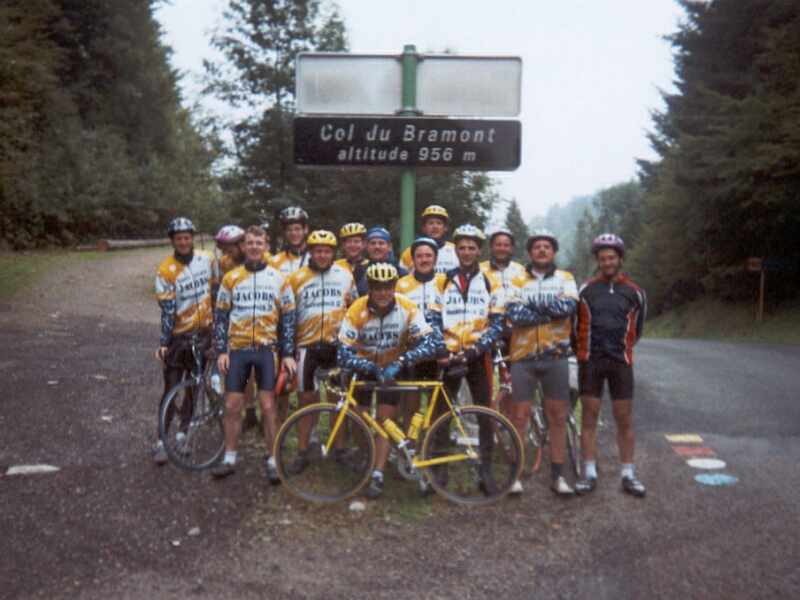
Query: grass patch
[20, 270]
[715, 320]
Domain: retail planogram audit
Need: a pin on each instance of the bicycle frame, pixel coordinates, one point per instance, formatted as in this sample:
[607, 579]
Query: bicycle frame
[438, 389]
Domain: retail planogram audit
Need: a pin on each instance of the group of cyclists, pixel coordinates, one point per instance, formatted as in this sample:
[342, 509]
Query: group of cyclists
[437, 312]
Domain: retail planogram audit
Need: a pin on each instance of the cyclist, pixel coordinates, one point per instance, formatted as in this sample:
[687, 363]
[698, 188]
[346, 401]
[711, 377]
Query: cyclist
[540, 308]
[253, 299]
[611, 317]
[382, 333]
[379, 250]
[185, 285]
[230, 241]
[470, 308]
[294, 222]
[500, 264]
[435, 224]
[323, 291]
[353, 237]
[421, 287]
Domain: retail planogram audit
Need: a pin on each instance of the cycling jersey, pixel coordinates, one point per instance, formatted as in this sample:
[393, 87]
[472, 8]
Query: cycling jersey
[321, 299]
[227, 263]
[540, 309]
[287, 262]
[343, 262]
[471, 308]
[446, 258]
[611, 317]
[513, 269]
[249, 306]
[184, 291]
[369, 341]
[425, 294]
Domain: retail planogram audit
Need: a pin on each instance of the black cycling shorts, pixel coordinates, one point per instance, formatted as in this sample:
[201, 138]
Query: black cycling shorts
[424, 371]
[309, 359]
[262, 360]
[364, 396]
[596, 371]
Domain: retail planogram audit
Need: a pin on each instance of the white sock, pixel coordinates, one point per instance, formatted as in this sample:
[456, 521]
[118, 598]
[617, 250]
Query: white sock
[377, 474]
[180, 436]
[271, 461]
[590, 469]
[627, 470]
[230, 457]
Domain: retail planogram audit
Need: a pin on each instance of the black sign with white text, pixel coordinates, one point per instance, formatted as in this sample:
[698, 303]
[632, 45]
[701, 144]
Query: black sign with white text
[471, 144]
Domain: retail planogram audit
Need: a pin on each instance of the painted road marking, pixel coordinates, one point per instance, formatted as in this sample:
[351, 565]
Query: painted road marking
[693, 451]
[31, 469]
[683, 438]
[716, 479]
[706, 463]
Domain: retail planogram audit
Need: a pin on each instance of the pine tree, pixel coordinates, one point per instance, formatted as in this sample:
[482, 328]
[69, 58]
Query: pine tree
[516, 225]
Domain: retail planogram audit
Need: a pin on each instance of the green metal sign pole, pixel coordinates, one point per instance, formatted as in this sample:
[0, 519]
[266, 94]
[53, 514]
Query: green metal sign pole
[408, 179]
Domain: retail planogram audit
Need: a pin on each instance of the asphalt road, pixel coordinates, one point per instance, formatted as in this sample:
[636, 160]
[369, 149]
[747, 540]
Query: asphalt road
[80, 393]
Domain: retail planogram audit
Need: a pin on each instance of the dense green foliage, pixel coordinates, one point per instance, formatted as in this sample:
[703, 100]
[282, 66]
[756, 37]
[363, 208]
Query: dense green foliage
[727, 184]
[516, 225]
[93, 138]
[562, 220]
[259, 41]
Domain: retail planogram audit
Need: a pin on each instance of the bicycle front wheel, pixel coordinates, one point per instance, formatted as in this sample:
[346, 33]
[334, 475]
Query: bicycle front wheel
[314, 474]
[190, 426]
[483, 455]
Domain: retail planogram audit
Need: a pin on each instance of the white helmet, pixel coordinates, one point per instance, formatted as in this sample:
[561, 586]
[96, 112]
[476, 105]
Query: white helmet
[229, 234]
[469, 231]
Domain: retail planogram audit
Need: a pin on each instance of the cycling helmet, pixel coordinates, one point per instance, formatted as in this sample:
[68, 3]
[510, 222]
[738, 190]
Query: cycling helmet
[501, 231]
[293, 214]
[180, 225]
[381, 272]
[425, 241]
[469, 231]
[229, 234]
[321, 237]
[352, 229]
[542, 234]
[434, 210]
[608, 240]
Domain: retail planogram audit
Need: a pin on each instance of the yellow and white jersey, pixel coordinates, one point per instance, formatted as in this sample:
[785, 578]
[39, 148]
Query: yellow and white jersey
[446, 258]
[383, 339]
[465, 316]
[424, 294]
[287, 262]
[321, 300]
[506, 276]
[343, 262]
[553, 337]
[254, 301]
[189, 287]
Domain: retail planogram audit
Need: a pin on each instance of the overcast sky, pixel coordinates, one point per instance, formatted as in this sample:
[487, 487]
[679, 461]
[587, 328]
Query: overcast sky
[591, 73]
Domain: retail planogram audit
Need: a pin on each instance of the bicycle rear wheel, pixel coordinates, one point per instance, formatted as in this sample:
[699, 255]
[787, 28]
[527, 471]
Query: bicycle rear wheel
[190, 425]
[315, 475]
[498, 455]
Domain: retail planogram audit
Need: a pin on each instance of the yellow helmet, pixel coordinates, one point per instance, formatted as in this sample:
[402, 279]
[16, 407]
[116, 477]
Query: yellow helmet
[321, 237]
[351, 229]
[381, 273]
[434, 210]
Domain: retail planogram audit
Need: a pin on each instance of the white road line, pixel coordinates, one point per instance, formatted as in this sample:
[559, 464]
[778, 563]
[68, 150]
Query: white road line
[31, 469]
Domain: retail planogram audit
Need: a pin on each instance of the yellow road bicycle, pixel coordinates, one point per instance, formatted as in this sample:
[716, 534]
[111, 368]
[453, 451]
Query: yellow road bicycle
[469, 454]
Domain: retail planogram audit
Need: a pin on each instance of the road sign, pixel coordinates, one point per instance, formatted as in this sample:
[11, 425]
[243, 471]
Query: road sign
[475, 144]
[446, 84]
